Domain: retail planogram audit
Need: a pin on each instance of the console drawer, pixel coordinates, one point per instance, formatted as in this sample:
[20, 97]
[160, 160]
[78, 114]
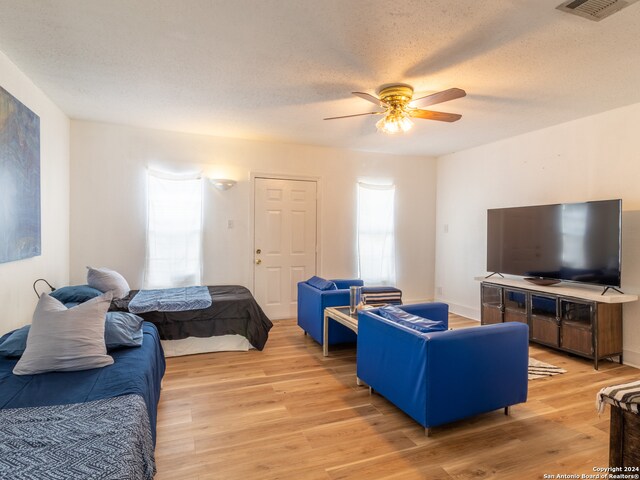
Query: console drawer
[577, 337]
[511, 316]
[545, 330]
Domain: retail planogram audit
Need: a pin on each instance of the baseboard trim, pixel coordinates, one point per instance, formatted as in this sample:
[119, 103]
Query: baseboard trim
[631, 358]
[462, 310]
[411, 301]
[468, 312]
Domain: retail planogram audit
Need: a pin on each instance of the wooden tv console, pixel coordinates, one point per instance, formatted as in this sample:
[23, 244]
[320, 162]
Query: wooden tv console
[577, 320]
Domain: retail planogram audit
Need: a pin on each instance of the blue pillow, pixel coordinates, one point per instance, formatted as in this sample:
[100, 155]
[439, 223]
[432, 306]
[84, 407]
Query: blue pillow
[15, 342]
[321, 283]
[422, 325]
[75, 293]
[121, 329]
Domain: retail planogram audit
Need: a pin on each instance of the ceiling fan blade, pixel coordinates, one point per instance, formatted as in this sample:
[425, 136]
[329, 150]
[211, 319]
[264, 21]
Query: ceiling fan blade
[439, 97]
[370, 98]
[356, 115]
[431, 115]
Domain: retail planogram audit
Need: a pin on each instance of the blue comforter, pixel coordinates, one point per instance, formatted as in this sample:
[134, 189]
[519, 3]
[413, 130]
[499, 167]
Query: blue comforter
[137, 370]
[170, 300]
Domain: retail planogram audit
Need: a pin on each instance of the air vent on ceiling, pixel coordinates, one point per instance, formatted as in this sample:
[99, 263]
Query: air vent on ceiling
[594, 9]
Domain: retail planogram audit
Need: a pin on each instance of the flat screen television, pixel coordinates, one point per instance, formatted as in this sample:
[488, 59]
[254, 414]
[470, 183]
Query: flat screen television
[576, 242]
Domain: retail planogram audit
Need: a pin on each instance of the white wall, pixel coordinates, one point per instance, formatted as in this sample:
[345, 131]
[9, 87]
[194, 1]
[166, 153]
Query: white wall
[17, 299]
[108, 206]
[594, 158]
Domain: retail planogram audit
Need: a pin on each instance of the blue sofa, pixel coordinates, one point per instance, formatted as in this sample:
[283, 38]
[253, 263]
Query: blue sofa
[444, 376]
[311, 305]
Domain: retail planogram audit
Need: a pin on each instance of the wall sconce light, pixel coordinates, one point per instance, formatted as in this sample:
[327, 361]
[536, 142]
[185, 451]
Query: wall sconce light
[222, 183]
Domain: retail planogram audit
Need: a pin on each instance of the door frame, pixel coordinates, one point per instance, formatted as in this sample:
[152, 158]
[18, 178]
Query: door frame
[252, 214]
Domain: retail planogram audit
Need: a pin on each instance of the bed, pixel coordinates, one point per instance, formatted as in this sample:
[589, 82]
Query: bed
[233, 321]
[98, 423]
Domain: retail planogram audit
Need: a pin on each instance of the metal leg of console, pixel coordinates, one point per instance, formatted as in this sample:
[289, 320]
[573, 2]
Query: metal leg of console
[325, 336]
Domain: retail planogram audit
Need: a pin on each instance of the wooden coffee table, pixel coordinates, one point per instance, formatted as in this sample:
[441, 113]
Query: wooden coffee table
[342, 316]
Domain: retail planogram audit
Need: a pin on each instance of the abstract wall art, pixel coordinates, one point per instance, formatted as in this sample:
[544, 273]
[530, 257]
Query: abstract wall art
[19, 180]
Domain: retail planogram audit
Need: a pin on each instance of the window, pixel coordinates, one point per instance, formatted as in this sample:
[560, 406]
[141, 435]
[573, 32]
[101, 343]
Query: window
[376, 244]
[174, 231]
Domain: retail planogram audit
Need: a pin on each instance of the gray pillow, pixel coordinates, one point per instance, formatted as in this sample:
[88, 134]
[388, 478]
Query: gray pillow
[65, 340]
[107, 280]
[122, 329]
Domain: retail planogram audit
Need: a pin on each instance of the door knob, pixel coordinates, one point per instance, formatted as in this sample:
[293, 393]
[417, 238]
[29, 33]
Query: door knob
[258, 262]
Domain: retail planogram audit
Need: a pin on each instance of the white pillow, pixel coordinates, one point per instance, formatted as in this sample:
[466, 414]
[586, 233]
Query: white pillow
[107, 280]
[65, 340]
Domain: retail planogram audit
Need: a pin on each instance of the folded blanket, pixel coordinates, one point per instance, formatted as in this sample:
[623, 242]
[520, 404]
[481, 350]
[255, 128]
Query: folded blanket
[170, 300]
[381, 295]
[626, 396]
[108, 439]
[381, 289]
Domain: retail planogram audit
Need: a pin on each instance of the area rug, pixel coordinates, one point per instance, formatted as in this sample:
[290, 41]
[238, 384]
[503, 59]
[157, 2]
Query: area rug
[538, 369]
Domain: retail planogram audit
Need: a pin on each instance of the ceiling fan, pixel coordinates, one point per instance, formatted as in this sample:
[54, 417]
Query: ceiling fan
[399, 108]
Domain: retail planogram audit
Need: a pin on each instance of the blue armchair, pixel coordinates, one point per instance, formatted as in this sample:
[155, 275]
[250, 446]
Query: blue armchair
[311, 305]
[444, 376]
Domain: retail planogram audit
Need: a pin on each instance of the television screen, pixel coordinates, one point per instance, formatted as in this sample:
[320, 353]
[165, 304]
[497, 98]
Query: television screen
[578, 242]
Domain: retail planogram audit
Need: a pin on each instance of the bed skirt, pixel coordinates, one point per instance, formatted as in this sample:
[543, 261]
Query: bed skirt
[195, 345]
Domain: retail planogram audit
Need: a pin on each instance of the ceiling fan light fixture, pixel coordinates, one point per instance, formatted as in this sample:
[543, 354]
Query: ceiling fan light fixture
[395, 122]
[400, 107]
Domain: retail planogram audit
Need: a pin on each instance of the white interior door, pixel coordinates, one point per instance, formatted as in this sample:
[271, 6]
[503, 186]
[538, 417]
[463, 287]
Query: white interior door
[285, 242]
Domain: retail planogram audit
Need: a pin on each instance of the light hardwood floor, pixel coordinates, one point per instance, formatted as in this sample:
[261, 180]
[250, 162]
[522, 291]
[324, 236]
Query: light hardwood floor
[288, 413]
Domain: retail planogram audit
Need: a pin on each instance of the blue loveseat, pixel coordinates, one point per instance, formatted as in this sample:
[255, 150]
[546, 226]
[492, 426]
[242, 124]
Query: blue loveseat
[311, 304]
[443, 376]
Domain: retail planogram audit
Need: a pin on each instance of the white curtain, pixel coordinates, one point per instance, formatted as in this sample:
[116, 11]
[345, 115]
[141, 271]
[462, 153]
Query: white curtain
[376, 226]
[174, 231]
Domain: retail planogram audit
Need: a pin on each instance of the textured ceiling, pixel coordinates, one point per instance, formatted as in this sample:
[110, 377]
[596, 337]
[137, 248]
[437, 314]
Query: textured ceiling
[273, 69]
